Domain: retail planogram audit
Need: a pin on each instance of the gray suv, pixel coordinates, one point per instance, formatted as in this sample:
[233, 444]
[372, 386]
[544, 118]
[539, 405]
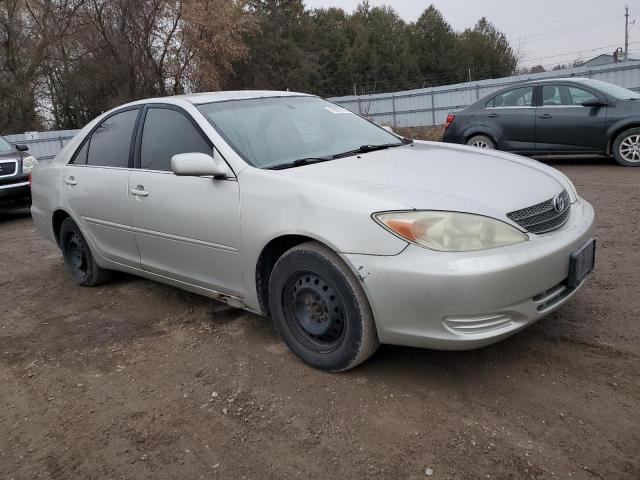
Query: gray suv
[15, 169]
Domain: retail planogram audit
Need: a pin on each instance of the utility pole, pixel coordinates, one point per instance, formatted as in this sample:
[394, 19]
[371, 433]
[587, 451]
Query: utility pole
[626, 33]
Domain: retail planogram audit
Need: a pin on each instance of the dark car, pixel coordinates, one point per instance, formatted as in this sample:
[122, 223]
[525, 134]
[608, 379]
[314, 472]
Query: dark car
[559, 116]
[14, 175]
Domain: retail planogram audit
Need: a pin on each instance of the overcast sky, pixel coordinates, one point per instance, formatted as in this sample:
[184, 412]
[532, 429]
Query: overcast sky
[544, 31]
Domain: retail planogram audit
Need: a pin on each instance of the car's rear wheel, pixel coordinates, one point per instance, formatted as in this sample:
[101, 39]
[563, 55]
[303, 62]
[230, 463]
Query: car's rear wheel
[78, 257]
[482, 141]
[626, 148]
[320, 309]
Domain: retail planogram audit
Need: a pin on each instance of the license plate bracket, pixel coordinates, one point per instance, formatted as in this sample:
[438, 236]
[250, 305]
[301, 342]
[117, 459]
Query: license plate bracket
[582, 263]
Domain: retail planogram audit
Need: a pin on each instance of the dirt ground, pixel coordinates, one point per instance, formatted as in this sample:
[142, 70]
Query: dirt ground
[139, 380]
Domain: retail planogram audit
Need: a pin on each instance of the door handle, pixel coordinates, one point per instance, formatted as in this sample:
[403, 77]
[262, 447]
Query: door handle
[544, 116]
[139, 191]
[71, 181]
[493, 115]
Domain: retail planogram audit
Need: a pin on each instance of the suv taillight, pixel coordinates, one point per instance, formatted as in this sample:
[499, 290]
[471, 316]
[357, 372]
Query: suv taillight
[450, 118]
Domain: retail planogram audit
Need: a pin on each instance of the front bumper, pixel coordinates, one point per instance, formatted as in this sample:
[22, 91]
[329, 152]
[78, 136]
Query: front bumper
[459, 301]
[15, 191]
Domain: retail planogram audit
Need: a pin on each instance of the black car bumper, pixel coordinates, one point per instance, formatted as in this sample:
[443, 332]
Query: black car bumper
[15, 191]
[451, 136]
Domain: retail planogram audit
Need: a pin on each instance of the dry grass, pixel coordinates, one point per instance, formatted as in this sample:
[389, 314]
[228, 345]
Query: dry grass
[422, 133]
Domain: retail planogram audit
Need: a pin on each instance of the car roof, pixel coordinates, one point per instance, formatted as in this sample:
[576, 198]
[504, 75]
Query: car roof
[209, 97]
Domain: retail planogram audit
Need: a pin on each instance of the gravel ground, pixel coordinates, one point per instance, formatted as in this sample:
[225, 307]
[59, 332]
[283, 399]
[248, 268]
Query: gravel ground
[139, 380]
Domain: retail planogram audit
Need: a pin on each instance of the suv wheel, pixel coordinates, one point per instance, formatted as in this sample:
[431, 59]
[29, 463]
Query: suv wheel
[626, 148]
[320, 309]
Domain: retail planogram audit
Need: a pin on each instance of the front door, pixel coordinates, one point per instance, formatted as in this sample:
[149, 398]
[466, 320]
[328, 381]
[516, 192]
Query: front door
[95, 185]
[563, 124]
[187, 228]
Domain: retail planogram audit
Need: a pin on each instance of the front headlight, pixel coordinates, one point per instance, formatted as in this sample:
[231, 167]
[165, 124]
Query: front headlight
[450, 231]
[28, 163]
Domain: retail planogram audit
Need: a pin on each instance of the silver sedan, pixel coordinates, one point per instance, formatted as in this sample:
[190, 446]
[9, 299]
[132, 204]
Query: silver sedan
[292, 207]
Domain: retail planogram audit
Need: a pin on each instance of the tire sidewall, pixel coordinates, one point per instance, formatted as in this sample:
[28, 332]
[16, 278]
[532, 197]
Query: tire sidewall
[486, 138]
[67, 229]
[346, 353]
[616, 147]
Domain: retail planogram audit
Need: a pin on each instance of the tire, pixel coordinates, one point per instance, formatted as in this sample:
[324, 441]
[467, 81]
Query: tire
[482, 141]
[626, 148]
[78, 257]
[320, 309]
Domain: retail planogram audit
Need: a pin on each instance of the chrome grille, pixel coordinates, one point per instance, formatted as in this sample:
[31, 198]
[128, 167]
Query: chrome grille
[543, 217]
[8, 168]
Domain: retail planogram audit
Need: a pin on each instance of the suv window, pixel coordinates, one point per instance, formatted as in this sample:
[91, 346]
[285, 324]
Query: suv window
[167, 133]
[518, 97]
[557, 95]
[110, 143]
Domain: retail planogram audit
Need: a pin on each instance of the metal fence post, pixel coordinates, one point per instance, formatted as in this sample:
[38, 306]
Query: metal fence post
[393, 106]
[433, 109]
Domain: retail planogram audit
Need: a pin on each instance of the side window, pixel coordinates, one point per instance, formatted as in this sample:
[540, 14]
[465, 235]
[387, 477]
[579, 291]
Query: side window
[553, 95]
[518, 97]
[167, 133]
[80, 158]
[579, 95]
[110, 142]
[490, 103]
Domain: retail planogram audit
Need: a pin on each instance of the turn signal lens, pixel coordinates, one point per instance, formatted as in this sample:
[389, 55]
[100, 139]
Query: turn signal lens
[450, 231]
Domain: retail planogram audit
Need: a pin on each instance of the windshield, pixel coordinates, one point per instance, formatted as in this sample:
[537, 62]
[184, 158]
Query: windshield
[268, 132]
[615, 91]
[5, 147]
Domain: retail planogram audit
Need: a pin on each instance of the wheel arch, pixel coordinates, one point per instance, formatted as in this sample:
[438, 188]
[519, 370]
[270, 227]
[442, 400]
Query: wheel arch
[57, 218]
[480, 130]
[267, 259]
[618, 128]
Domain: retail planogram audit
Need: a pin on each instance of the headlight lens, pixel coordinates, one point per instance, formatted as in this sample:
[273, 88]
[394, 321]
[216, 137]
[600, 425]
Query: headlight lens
[28, 163]
[450, 231]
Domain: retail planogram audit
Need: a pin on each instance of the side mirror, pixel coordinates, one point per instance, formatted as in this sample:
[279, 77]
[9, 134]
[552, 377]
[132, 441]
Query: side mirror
[593, 102]
[21, 147]
[198, 165]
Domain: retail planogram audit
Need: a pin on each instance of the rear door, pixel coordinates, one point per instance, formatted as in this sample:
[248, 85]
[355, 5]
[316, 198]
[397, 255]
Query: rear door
[511, 116]
[563, 124]
[95, 185]
[187, 228]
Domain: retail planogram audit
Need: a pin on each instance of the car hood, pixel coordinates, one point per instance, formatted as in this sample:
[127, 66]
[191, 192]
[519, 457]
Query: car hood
[427, 175]
[12, 154]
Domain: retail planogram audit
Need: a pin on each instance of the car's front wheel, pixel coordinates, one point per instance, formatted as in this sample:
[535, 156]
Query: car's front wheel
[626, 148]
[78, 257]
[320, 309]
[482, 141]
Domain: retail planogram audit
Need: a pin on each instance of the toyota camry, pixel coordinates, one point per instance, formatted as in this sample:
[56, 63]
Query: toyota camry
[294, 208]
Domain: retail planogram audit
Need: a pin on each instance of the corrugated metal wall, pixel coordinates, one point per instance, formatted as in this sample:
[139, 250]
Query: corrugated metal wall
[44, 145]
[429, 106]
[410, 108]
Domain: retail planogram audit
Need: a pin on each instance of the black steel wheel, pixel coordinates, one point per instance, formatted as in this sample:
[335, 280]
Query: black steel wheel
[313, 310]
[320, 308]
[78, 257]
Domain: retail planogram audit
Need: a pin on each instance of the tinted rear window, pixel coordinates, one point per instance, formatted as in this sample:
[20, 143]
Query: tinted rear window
[110, 142]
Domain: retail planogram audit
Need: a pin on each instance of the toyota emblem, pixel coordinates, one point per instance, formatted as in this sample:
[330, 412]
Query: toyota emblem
[558, 203]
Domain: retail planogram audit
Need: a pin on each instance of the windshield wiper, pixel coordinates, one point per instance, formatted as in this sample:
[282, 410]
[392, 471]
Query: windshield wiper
[299, 163]
[372, 148]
